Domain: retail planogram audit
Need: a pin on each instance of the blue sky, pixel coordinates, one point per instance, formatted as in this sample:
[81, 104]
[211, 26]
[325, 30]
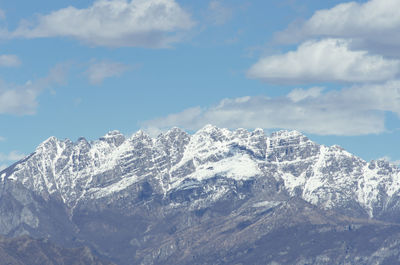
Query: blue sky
[329, 69]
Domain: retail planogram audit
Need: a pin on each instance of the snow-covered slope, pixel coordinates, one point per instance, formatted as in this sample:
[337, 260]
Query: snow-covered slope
[329, 177]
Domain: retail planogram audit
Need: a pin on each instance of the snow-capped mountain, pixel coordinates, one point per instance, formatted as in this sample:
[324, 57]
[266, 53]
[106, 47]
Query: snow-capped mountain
[325, 176]
[138, 183]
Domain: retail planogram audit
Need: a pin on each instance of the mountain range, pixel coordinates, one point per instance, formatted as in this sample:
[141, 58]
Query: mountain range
[212, 197]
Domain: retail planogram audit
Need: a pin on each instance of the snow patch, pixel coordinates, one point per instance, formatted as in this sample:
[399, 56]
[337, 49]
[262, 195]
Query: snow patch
[113, 188]
[237, 167]
[266, 204]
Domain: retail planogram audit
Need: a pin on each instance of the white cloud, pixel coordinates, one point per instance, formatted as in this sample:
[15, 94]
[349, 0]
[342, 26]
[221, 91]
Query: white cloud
[2, 139]
[98, 71]
[144, 23]
[299, 94]
[355, 110]
[375, 23]
[218, 13]
[328, 60]
[12, 156]
[9, 60]
[3, 166]
[22, 99]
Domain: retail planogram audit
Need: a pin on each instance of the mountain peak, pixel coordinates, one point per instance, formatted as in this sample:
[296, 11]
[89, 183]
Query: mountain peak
[113, 137]
[287, 134]
[258, 131]
[174, 130]
[112, 133]
[213, 131]
[50, 142]
[140, 133]
[82, 139]
[208, 128]
[51, 139]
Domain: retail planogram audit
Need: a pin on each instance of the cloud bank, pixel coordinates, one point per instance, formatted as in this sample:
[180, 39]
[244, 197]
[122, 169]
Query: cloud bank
[113, 23]
[355, 110]
[328, 60]
[375, 24]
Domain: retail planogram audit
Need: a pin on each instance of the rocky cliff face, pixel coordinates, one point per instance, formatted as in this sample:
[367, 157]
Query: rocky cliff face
[152, 200]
